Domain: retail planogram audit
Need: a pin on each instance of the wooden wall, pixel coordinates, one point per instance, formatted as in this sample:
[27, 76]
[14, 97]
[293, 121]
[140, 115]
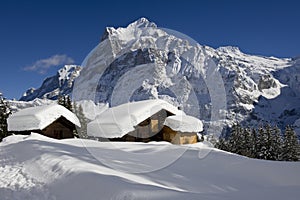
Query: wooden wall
[176, 137]
[148, 129]
[59, 129]
[153, 129]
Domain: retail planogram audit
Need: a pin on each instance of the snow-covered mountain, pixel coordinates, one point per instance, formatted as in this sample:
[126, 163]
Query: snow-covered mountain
[220, 86]
[61, 83]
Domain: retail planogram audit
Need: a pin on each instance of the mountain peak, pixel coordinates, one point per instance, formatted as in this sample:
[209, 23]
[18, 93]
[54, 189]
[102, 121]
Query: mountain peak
[140, 23]
[61, 83]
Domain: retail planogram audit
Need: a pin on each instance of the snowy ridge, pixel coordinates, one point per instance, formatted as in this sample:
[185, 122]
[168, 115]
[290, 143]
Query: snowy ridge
[60, 84]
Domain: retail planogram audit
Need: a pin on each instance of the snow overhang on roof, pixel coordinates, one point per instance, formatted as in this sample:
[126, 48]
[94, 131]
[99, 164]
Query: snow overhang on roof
[117, 121]
[38, 118]
[184, 123]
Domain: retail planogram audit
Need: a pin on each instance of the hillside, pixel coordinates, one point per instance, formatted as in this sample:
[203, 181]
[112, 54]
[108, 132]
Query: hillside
[39, 168]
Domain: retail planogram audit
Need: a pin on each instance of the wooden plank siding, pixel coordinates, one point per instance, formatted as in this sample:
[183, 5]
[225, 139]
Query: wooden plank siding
[153, 129]
[148, 129]
[176, 137]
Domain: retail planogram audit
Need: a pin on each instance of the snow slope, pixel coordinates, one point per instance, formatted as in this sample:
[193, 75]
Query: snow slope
[37, 168]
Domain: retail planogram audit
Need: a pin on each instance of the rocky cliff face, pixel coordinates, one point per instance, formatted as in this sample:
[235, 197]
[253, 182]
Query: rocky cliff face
[61, 83]
[220, 86]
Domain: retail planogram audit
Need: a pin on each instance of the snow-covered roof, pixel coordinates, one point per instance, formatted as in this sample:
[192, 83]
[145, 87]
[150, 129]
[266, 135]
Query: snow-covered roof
[184, 123]
[120, 120]
[39, 117]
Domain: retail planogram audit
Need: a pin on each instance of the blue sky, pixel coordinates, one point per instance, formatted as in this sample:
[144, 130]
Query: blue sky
[33, 31]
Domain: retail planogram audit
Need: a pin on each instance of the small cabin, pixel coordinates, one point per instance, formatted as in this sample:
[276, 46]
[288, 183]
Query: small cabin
[143, 121]
[182, 129]
[53, 121]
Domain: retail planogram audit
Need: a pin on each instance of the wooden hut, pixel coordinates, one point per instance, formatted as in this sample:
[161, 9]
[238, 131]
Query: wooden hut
[136, 121]
[53, 120]
[181, 129]
[144, 121]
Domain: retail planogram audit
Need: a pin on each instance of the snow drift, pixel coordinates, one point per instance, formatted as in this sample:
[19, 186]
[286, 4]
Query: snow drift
[38, 168]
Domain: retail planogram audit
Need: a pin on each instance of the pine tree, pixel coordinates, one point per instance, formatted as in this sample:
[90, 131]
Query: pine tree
[65, 101]
[290, 145]
[82, 131]
[222, 144]
[254, 147]
[68, 103]
[4, 113]
[236, 141]
[248, 143]
[268, 142]
[261, 144]
[276, 144]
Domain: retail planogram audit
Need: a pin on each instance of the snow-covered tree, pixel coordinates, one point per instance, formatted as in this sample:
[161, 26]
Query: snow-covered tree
[248, 143]
[290, 145]
[234, 139]
[276, 144]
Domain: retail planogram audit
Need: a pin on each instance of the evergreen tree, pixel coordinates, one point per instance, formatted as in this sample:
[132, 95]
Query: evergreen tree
[65, 101]
[81, 131]
[262, 141]
[248, 143]
[222, 144]
[68, 103]
[4, 113]
[290, 145]
[233, 138]
[268, 143]
[276, 144]
[236, 142]
[254, 147]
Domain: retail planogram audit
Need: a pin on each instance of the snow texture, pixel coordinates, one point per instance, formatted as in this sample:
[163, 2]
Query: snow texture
[120, 120]
[39, 168]
[184, 123]
[38, 118]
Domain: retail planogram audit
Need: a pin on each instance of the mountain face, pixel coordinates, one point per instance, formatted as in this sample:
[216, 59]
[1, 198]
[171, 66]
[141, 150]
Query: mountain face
[219, 86]
[61, 83]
